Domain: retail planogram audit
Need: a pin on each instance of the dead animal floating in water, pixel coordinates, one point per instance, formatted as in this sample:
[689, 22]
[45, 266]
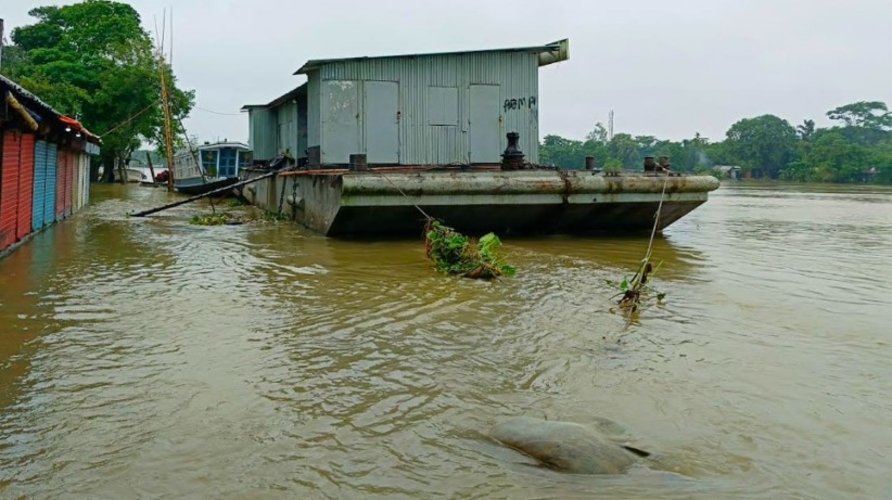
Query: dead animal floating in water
[455, 253]
[568, 446]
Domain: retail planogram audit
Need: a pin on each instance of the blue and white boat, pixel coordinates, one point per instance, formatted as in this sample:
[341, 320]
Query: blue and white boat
[210, 166]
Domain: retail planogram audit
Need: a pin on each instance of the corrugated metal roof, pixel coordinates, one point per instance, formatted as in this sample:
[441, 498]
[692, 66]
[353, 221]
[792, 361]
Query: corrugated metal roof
[33, 101]
[558, 46]
[291, 94]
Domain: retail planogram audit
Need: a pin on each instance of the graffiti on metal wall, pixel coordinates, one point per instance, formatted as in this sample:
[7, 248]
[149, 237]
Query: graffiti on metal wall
[520, 103]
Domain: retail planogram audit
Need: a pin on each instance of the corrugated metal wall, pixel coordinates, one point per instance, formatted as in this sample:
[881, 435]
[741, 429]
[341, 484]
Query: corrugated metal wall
[83, 193]
[9, 186]
[262, 133]
[26, 186]
[39, 184]
[286, 128]
[314, 110]
[516, 74]
[69, 178]
[39, 194]
[61, 183]
[52, 168]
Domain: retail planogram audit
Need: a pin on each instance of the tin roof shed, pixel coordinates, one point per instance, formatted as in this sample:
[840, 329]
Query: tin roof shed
[414, 109]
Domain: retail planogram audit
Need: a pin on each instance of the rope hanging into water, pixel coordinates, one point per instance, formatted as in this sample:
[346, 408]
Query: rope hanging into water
[425, 214]
[653, 231]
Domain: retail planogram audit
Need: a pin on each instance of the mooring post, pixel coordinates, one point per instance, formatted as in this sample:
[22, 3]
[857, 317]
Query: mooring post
[512, 158]
[359, 162]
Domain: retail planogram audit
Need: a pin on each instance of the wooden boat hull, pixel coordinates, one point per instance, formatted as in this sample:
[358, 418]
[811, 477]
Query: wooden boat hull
[193, 189]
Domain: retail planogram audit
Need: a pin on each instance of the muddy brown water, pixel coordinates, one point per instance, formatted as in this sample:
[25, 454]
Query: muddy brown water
[152, 358]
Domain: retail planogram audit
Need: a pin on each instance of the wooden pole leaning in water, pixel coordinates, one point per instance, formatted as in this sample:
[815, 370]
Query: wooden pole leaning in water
[209, 193]
[151, 168]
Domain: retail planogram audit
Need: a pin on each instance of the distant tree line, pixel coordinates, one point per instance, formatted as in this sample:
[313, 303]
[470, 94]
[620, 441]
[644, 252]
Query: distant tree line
[858, 148]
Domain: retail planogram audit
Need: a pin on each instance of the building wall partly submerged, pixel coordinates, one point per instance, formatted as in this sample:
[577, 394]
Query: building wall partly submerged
[40, 183]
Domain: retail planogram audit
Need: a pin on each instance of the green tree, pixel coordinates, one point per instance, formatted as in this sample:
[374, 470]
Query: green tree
[863, 122]
[830, 158]
[93, 60]
[763, 145]
[864, 114]
[624, 148]
[807, 130]
[598, 134]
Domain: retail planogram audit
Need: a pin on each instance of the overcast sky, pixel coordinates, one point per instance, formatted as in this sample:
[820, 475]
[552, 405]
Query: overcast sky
[666, 68]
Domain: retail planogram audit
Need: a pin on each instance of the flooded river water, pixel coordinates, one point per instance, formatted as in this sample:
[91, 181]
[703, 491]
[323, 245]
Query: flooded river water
[154, 358]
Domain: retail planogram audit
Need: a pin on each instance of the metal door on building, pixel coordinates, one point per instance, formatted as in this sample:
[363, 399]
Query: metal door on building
[9, 187]
[382, 138]
[61, 185]
[49, 192]
[484, 128]
[340, 121]
[40, 154]
[67, 195]
[26, 186]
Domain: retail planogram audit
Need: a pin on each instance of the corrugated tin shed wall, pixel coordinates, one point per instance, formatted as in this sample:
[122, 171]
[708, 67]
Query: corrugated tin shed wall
[26, 186]
[420, 141]
[286, 128]
[262, 133]
[52, 177]
[314, 111]
[84, 193]
[9, 187]
[39, 194]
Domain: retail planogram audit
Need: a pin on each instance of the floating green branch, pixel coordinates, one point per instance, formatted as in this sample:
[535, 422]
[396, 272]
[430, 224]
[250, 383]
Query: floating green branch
[217, 219]
[455, 253]
[637, 292]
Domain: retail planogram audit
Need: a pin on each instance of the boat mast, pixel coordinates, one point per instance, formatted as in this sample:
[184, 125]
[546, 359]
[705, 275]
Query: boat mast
[165, 105]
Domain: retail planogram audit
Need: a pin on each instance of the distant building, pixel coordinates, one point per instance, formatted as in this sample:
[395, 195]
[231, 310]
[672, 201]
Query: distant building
[416, 109]
[728, 171]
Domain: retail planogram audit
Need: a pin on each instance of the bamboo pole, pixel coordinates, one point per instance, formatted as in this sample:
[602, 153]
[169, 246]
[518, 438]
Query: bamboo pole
[23, 113]
[168, 126]
[209, 193]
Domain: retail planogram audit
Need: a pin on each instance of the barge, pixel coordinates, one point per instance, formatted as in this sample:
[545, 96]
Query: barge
[375, 139]
[343, 202]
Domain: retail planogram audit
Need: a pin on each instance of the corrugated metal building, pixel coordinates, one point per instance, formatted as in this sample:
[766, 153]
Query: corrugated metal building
[44, 164]
[423, 109]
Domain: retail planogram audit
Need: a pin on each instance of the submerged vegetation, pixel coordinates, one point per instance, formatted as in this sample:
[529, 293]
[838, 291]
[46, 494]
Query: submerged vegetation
[455, 253]
[217, 219]
[226, 218]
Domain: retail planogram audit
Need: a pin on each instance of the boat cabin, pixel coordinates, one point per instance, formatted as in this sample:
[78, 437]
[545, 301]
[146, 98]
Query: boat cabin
[216, 161]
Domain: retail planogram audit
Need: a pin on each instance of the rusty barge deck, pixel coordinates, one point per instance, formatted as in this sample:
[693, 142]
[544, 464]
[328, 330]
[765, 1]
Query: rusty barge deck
[341, 202]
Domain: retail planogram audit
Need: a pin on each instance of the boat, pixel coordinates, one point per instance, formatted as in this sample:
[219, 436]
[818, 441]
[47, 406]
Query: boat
[210, 166]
